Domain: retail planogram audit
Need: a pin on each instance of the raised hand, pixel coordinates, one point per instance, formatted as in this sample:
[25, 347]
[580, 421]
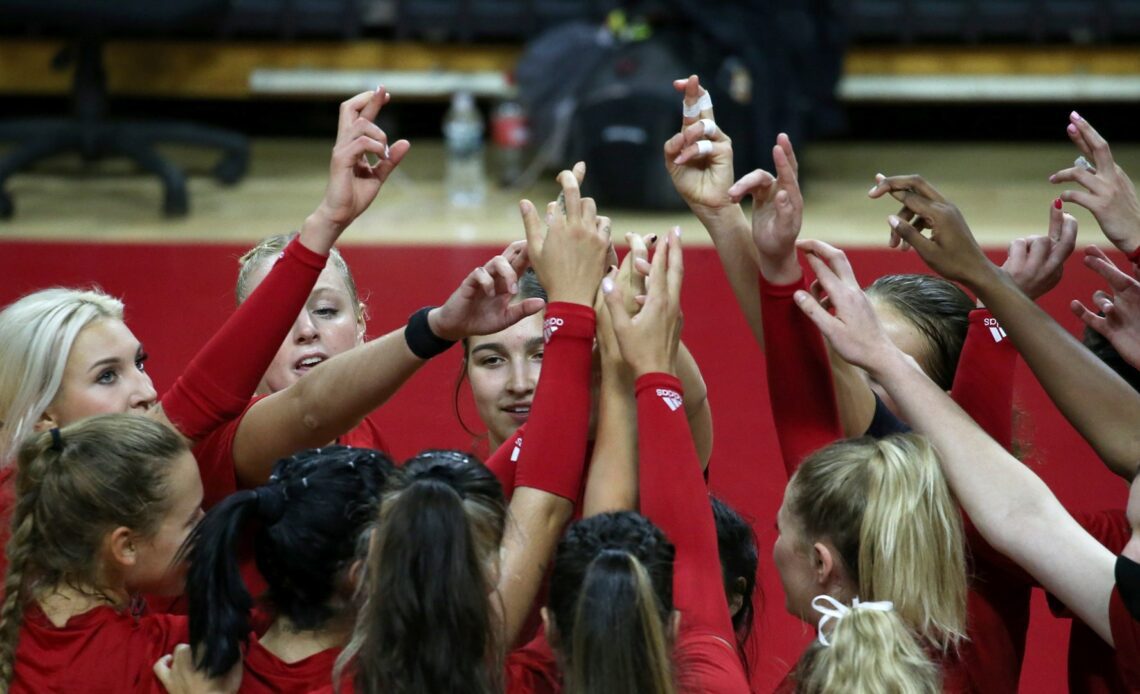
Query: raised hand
[1120, 322]
[354, 182]
[1035, 263]
[777, 212]
[649, 340]
[854, 331]
[631, 276]
[1108, 192]
[568, 253]
[699, 157]
[484, 302]
[951, 249]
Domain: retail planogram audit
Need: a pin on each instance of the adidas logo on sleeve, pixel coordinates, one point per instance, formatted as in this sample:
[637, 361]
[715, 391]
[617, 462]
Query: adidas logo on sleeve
[551, 326]
[671, 398]
[996, 330]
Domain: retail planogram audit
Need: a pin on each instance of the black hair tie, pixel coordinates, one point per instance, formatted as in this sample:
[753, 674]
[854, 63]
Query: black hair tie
[271, 502]
[56, 440]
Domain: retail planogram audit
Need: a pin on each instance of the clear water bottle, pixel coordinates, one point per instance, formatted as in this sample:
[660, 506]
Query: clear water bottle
[463, 131]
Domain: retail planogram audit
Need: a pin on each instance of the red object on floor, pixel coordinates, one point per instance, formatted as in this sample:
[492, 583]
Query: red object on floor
[177, 295]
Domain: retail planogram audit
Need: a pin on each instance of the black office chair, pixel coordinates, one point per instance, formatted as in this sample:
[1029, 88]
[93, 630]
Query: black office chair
[86, 24]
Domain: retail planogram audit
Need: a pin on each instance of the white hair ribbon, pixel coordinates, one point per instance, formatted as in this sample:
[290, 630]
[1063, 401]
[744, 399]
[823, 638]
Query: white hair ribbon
[831, 609]
[703, 103]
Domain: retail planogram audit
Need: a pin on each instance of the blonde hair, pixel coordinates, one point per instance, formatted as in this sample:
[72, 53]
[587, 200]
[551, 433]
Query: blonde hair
[871, 652]
[271, 248]
[888, 510]
[73, 486]
[37, 332]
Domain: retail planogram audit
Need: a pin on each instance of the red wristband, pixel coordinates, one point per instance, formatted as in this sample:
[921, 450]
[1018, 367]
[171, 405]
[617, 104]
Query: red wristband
[666, 386]
[565, 319]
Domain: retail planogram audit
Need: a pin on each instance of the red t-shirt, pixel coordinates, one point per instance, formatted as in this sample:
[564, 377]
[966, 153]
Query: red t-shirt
[102, 650]
[1093, 667]
[705, 664]
[265, 673]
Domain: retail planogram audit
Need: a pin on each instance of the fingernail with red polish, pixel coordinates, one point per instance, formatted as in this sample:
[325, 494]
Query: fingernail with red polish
[1057, 203]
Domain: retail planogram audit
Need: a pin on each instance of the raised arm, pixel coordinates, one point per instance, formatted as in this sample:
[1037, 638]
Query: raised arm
[1097, 401]
[217, 385]
[672, 491]
[983, 379]
[699, 160]
[569, 259]
[800, 385]
[612, 481]
[330, 400]
[1011, 507]
[1108, 191]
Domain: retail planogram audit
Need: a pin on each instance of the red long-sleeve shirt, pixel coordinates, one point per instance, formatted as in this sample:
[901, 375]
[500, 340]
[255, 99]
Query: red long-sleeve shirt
[803, 404]
[560, 412]
[673, 495]
[217, 384]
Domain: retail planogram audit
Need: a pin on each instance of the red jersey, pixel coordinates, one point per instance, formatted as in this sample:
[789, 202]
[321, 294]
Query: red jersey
[102, 650]
[803, 397]
[673, 496]
[215, 453]
[265, 673]
[1093, 665]
[705, 663]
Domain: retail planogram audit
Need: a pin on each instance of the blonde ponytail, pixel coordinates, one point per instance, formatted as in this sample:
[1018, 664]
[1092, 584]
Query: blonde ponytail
[886, 507]
[870, 652]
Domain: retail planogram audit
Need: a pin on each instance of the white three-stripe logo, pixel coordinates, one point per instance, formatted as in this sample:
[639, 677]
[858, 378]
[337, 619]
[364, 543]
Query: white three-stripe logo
[670, 397]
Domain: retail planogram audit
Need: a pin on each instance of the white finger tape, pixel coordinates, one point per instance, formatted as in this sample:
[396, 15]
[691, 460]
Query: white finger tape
[704, 103]
[703, 147]
[1084, 163]
[710, 126]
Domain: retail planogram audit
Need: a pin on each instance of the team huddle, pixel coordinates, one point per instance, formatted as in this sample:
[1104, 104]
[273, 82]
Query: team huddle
[247, 531]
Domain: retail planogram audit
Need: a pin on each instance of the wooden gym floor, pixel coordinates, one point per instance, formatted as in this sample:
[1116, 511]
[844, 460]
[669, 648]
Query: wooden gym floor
[1001, 188]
